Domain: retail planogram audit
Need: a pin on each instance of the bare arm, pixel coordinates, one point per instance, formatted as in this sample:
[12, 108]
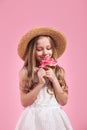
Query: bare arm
[60, 94]
[27, 98]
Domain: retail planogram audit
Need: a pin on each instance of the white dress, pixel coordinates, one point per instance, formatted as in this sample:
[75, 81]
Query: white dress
[44, 114]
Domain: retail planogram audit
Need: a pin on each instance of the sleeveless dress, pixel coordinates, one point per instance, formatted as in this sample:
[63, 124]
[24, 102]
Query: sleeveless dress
[44, 114]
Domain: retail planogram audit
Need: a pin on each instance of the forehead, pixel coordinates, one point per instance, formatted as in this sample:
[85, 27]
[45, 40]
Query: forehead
[43, 41]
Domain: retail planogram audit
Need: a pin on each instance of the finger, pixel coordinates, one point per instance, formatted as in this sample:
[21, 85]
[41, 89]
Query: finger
[46, 68]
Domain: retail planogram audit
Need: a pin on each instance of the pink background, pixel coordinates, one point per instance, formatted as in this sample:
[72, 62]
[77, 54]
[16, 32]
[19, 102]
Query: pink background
[17, 17]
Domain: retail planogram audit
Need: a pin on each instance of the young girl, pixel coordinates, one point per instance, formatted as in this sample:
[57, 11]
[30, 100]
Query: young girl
[43, 88]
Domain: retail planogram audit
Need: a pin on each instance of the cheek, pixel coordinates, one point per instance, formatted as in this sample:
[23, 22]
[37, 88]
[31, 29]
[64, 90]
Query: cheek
[51, 52]
[38, 53]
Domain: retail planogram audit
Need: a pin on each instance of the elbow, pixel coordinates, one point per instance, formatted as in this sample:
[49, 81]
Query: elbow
[63, 101]
[26, 103]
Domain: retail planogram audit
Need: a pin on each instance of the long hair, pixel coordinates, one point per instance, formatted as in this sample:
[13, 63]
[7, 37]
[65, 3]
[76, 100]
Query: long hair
[30, 63]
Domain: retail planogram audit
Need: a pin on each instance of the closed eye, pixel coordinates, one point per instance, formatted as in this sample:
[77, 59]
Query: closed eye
[49, 48]
[39, 49]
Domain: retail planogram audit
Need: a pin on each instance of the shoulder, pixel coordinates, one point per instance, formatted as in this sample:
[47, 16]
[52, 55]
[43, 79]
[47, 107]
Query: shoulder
[23, 73]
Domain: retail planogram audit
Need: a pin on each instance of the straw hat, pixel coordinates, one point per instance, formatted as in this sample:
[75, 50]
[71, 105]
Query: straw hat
[58, 37]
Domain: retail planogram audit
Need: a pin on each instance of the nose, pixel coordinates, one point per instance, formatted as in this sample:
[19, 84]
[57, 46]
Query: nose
[44, 52]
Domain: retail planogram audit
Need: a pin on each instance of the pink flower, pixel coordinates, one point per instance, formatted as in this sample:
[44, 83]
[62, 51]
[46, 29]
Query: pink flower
[48, 62]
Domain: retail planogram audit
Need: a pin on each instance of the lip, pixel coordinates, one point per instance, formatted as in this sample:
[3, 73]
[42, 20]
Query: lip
[45, 57]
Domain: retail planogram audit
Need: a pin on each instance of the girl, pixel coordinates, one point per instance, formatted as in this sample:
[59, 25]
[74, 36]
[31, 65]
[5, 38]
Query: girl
[43, 88]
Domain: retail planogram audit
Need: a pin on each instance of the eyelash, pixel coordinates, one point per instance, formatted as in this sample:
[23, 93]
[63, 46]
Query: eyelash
[42, 49]
[48, 48]
[39, 49]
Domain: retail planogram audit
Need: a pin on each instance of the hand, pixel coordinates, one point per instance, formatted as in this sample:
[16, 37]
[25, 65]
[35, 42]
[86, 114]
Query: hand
[41, 74]
[50, 74]
[36, 69]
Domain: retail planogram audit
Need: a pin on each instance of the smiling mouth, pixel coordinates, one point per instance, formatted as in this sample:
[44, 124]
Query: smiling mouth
[45, 57]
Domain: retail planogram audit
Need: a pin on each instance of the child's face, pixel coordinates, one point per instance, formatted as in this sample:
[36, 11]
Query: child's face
[43, 49]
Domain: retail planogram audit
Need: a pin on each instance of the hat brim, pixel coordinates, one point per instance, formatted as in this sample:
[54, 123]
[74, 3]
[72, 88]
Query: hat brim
[57, 36]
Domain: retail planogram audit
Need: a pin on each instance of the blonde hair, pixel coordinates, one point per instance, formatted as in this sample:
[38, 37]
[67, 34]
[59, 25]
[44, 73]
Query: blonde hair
[27, 72]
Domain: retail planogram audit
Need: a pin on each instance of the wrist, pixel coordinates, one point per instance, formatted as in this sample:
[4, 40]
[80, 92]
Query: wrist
[40, 84]
[55, 81]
